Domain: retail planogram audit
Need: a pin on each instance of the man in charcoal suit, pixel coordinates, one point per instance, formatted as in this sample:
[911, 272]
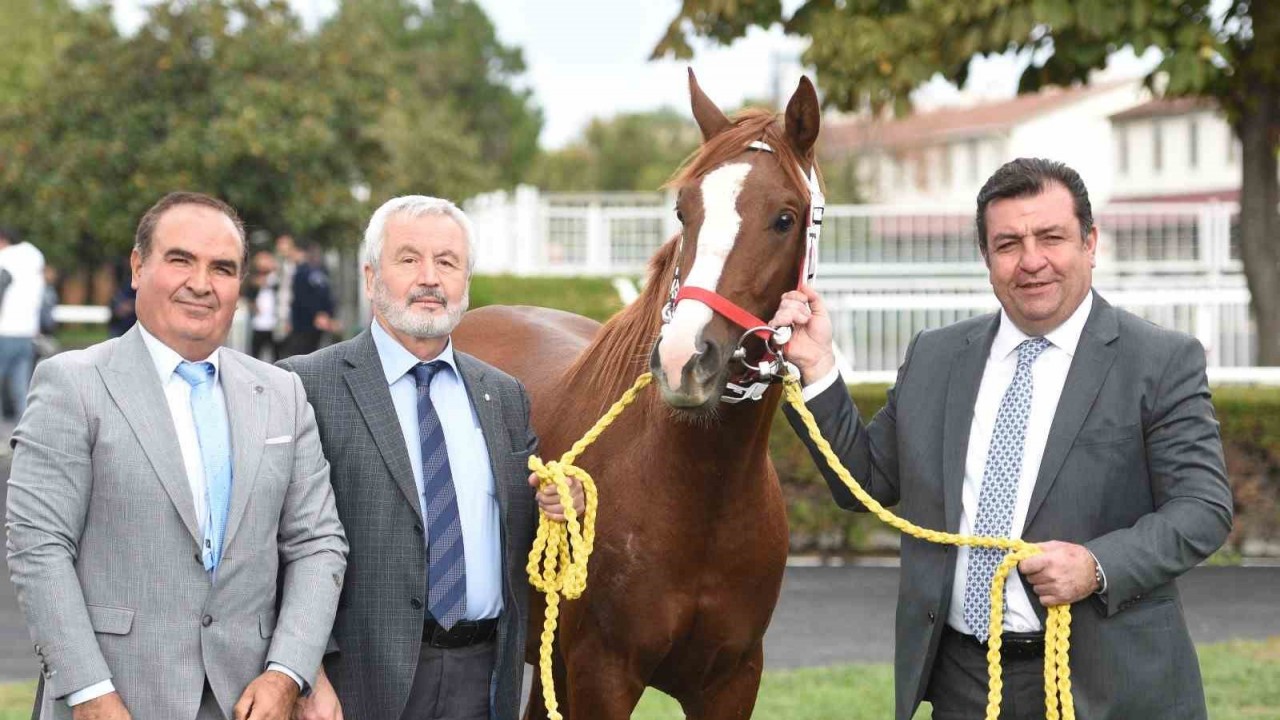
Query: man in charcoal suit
[1060, 420]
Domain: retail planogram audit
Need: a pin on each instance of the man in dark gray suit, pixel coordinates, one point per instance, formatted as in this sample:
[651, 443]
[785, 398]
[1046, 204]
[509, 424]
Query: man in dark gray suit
[1059, 420]
[172, 533]
[430, 451]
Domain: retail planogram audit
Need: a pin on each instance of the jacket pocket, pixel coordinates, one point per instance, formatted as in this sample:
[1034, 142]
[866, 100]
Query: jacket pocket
[1107, 435]
[267, 624]
[110, 620]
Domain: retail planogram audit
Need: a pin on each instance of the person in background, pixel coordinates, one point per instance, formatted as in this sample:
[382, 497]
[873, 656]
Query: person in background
[261, 289]
[311, 312]
[21, 294]
[121, 304]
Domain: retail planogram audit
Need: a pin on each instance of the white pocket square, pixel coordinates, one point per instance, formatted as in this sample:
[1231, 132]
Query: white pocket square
[280, 440]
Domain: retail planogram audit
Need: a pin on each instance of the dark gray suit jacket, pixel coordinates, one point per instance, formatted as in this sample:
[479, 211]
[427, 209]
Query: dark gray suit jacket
[378, 630]
[1133, 470]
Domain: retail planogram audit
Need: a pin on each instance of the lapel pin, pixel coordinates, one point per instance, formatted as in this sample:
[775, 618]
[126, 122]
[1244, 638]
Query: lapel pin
[257, 389]
[486, 397]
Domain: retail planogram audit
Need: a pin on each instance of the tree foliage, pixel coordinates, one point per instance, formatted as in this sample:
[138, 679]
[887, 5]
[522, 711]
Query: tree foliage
[298, 130]
[870, 54]
[631, 151]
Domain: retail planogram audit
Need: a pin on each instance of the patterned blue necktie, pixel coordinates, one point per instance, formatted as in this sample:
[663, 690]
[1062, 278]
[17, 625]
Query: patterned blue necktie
[446, 558]
[999, 491]
[215, 454]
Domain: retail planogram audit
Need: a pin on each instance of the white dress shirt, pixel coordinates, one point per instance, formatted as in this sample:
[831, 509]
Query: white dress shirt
[177, 393]
[1048, 375]
[468, 463]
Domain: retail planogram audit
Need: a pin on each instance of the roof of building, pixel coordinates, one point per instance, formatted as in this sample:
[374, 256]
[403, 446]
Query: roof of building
[950, 123]
[1165, 107]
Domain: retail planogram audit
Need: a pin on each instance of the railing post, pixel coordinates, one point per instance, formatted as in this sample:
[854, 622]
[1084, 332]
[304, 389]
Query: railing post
[597, 260]
[529, 232]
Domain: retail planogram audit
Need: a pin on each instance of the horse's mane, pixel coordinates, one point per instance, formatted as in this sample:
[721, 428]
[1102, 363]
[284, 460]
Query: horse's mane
[620, 350]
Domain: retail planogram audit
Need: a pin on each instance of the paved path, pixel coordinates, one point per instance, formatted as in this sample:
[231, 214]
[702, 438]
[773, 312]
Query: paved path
[837, 614]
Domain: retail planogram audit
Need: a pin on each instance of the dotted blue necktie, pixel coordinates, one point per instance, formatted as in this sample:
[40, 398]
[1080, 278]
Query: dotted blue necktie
[999, 491]
[215, 454]
[446, 558]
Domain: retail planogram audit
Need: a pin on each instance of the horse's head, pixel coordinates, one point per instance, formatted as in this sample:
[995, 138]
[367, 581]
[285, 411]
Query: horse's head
[743, 205]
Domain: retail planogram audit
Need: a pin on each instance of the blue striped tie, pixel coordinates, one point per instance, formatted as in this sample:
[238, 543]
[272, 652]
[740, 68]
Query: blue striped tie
[446, 558]
[998, 495]
[215, 453]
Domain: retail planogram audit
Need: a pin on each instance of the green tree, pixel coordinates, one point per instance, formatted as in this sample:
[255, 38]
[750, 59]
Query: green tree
[631, 151]
[875, 52]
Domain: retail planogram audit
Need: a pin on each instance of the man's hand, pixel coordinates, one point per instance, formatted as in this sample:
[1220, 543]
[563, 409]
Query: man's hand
[1061, 574]
[107, 707]
[269, 697]
[549, 498]
[321, 704]
[810, 346]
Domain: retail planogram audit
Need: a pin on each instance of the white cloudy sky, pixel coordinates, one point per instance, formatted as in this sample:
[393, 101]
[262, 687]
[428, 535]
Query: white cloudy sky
[589, 58]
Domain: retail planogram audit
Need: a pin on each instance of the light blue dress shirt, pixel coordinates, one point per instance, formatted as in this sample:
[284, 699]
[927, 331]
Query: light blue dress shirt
[468, 461]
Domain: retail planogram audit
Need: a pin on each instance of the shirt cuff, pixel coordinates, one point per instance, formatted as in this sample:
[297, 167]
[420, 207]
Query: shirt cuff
[302, 686]
[93, 692]
[812, 391]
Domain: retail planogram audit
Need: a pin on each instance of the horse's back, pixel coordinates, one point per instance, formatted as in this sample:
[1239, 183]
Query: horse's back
[534, 344]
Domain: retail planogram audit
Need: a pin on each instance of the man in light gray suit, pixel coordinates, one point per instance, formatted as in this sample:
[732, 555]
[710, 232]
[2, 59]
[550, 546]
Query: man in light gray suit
[430, 451]
[171, 529]
[1059, 420]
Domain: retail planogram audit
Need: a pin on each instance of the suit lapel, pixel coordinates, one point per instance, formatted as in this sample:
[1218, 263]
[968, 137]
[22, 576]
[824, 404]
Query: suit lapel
[491, 425]
[247, 407]
[962, 393]
[131, 381]
[368, 385]
[1094, 356]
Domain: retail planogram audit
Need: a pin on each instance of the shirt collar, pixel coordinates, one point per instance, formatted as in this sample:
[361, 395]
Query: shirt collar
[396, 360]
[167, 359]
[1066, 336]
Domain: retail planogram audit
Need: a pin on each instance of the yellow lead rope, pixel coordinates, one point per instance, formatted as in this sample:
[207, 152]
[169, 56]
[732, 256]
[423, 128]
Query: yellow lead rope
[563, 549]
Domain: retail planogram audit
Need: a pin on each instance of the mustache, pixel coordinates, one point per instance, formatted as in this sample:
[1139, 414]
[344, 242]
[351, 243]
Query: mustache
[185, 295]
[424, 294]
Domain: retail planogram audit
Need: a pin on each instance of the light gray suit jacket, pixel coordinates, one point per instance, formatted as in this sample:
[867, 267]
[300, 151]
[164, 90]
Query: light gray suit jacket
[104, 546]
[1133, 470]
[378, 631]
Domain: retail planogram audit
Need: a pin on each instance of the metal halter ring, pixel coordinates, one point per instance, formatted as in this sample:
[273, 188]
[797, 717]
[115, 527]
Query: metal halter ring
[777, 338]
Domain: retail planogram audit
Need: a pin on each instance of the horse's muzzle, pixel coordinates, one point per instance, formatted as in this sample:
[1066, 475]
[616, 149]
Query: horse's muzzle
[700, 383]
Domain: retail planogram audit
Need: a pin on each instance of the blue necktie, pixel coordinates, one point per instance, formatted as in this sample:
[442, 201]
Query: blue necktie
[999, 493]
[215, 454]
[446, 558]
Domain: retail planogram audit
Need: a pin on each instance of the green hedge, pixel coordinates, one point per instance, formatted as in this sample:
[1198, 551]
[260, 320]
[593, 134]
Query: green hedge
[592, 297]
[1250, 418]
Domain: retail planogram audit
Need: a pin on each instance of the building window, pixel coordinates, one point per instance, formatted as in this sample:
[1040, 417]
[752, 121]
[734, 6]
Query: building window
[1122, 148]
[1193, 143]
[974, 164]
[944, 158]
[1157, 146]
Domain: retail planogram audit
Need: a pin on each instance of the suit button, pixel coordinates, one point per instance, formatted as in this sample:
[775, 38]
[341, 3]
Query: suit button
[415, 603]
[206, 621]
[932, 617]
[199, 559]
[417, 528]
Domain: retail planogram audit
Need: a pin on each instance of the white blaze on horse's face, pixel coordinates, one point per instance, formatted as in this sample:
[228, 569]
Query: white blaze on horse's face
[720, 224]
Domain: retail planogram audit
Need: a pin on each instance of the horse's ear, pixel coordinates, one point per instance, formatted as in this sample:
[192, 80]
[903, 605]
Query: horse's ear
[803, 117]
[710, 119]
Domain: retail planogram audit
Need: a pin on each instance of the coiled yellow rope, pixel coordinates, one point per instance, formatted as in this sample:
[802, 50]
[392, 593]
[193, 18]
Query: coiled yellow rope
[563, 548]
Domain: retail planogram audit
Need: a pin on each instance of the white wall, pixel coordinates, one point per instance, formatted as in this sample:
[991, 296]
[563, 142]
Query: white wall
[1217, 162]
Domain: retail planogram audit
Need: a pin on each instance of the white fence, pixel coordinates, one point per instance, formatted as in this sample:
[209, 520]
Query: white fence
[890, 272]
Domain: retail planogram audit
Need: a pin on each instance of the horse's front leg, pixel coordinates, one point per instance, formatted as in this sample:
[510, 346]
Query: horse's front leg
[730, 695]
[604, 682]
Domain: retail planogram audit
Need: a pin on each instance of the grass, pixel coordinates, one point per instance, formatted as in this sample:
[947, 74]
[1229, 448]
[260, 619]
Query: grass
[1242, 682]
[592, 297]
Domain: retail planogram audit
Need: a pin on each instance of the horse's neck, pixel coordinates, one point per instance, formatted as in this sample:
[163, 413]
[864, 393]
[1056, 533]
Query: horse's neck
[735, 443]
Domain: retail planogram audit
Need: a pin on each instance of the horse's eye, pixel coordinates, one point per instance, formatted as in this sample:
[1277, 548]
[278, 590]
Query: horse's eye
[784, 223]
[679, 216]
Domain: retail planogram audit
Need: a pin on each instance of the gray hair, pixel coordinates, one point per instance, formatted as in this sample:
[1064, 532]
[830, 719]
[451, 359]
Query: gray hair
[413, 206]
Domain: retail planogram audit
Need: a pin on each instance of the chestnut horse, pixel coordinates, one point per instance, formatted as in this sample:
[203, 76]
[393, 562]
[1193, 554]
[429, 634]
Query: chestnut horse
[691, 536]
